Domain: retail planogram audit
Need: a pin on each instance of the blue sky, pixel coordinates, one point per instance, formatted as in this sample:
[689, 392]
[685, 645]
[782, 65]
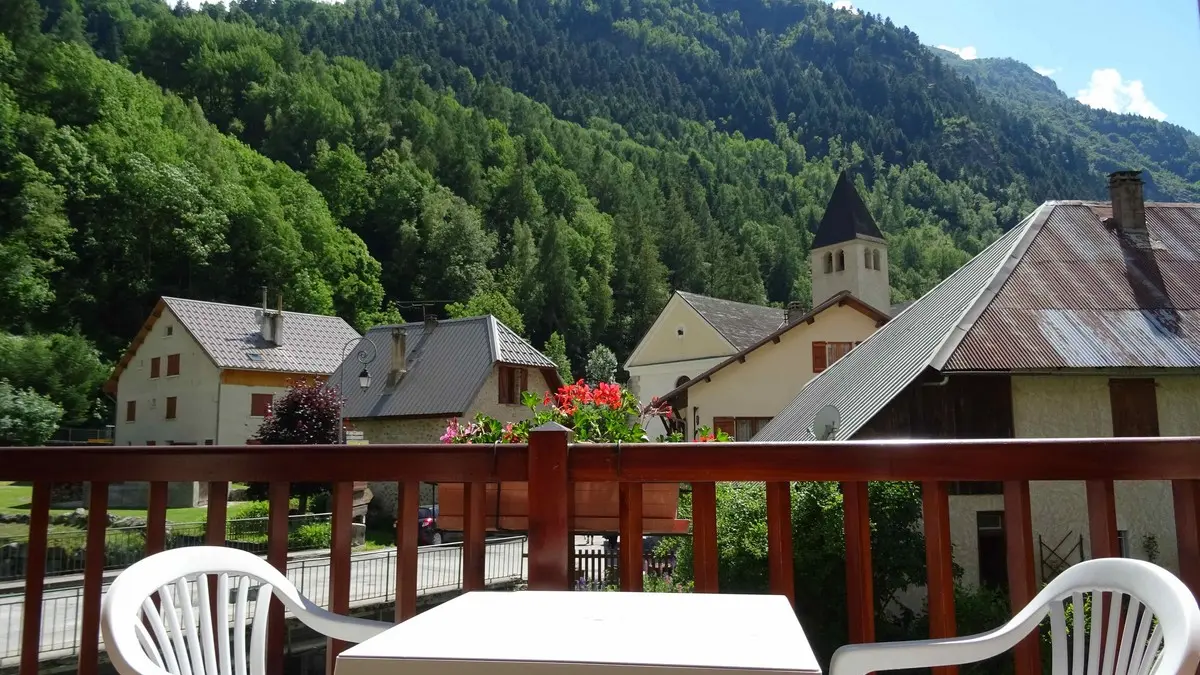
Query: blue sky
[1141, 57]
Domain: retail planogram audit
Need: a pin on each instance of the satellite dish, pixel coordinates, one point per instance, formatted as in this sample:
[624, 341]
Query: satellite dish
[826, 423]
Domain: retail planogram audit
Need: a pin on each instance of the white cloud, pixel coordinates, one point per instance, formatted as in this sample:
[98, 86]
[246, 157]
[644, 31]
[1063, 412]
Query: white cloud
[1108, 90]
[1043, 70]
[967, 52]
[846, 5]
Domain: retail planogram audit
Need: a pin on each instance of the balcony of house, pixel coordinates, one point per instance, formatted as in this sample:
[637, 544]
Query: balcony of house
[553, 470]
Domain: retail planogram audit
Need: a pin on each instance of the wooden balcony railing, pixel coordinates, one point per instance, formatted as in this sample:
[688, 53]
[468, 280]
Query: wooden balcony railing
[551, 465]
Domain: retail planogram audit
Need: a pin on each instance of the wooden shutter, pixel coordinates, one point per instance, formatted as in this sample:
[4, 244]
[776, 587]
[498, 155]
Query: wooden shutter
[818, 356]
[130, 411]
[172, 365]
[506, 383]
[1134, 404]
[524, 384]
[726, 424]
[155, 366]
[260, 404]
[171, 407]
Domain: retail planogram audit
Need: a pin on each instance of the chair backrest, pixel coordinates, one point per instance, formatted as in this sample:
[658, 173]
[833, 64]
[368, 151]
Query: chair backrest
[1127, 617]
[191, 632]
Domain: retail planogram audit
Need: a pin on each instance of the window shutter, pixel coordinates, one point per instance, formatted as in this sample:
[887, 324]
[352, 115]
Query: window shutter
[524, 384]
[819, 361]
[155, 366]
[172, 365]
[130, 411]
[171, 407]
[726, 424]
[505, 384]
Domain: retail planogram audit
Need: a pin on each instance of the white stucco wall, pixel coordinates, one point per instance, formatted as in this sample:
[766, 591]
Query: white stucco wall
[195, 389]
[649, 381]
[773, 374]
[869, 285]
[1078, 406]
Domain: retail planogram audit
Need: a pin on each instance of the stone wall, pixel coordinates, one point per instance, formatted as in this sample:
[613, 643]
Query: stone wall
[384, 431]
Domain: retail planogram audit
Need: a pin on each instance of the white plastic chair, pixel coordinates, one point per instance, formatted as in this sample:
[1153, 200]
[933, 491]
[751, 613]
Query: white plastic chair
[183, 640]
[1135, 650]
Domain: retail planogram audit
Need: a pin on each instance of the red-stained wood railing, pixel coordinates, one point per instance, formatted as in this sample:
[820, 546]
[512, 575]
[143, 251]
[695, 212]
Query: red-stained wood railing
[551, 466]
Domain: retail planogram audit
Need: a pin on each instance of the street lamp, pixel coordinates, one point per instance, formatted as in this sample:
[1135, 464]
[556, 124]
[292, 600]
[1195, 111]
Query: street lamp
[366, 354]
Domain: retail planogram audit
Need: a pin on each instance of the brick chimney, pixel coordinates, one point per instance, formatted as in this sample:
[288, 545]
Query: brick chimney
[1128, 203]
[795, 310]
[399, 365]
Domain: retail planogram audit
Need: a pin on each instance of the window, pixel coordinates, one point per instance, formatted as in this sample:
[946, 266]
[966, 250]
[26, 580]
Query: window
[826, 354]
[867, 258]
[875, 258]
[681, 399]
[740, 428]
[841, 260]
[155, 366]
[208, 441]
[512, 382]
[170, 331]
[260, 404]
[255, 356]
[828, 263]
[172, 365]
[130, 411]
[171, 407]
[993, 558]
[1123, 543]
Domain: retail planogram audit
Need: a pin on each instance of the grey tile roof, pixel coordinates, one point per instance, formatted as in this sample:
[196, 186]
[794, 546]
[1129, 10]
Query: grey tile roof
[447, 364]
[742, 324]
[861, 383]
[231, 334]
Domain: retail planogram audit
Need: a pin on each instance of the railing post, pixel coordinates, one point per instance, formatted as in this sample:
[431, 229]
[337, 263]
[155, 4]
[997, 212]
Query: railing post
[342, 505]
[704, 536]
[549, 504]
[474, 555]
[279, 498]
[1022, 582]
[93, 577]
[939, 565]
[1102, 519]
[631, 558]
[156, 518]
[781, 565]
[860, 586]
[35, 577]
[218, 514]
[407, 495]
[1186, 494]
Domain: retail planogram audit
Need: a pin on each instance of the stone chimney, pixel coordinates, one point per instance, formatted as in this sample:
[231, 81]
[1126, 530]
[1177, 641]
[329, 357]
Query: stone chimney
[399, 365]
[277, 320]
[1128, 203]
[270, 323]
[795, 310]
[431, 322]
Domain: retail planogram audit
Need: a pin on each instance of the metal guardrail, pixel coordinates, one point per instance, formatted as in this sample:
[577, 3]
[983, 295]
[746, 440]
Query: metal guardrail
[123, 546]
[372, 580]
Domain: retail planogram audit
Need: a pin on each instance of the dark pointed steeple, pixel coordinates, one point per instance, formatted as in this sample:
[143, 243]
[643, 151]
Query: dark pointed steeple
[846, 217]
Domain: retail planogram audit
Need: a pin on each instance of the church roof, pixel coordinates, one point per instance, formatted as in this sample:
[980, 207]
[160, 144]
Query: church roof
[846, 217]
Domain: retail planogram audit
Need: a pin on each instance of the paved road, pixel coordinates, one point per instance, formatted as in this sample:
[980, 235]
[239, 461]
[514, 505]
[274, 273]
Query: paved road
[372, 580]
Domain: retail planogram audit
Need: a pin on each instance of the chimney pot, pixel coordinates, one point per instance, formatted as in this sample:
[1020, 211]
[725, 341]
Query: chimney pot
[431, 321]
[399, 365]
[1128, 201]
[795, 310]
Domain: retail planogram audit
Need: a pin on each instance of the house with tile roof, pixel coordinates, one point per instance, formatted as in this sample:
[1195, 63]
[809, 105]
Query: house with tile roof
[733, 366]
[424, 374]
[1083, 321]
[206, 373]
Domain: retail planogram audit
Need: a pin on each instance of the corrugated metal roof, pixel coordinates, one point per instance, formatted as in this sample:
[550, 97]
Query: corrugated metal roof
[231, 335]
[1087, 296]
[861, 383]
[741, 323]
[446, 363]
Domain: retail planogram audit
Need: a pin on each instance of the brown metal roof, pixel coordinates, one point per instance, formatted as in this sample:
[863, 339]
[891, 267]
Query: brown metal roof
[1087, 296]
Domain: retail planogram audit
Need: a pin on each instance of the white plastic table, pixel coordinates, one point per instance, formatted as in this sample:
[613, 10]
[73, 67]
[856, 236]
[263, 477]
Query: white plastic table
[582, 633]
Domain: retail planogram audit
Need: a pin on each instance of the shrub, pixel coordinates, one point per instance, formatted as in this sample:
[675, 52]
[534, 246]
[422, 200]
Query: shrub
[310, 536]
[259, 509]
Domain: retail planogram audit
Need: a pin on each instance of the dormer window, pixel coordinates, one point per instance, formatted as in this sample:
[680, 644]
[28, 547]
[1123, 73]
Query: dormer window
[841, 261]
[828, 263]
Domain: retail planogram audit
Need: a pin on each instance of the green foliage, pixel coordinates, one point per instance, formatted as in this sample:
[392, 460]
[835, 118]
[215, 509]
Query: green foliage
[601, 365]
[555, 349]
[308, 414]
[489, 301]
[64, 368]
[26, 418]
[256, 509]
[310, 536]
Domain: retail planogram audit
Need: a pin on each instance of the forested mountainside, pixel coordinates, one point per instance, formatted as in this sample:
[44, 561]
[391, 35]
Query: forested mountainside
[567, 163]
[1169, 153]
